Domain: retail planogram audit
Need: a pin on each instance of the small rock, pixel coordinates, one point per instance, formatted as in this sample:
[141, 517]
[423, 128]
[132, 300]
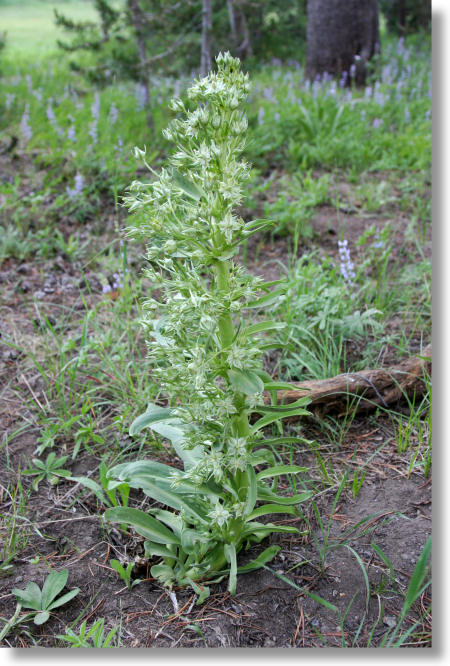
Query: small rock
[38, 295]
[25, 286]
[389, 620]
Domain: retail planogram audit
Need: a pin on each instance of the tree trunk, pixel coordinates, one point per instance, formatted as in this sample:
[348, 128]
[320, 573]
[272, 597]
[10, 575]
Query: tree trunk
[342, 36]
[239, 29]
[205, 61]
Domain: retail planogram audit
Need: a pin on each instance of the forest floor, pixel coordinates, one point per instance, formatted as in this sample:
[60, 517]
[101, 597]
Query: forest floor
[342, 582]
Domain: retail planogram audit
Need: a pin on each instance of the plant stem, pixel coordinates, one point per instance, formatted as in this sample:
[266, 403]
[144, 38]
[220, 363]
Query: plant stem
[226, 328]
[226, 336]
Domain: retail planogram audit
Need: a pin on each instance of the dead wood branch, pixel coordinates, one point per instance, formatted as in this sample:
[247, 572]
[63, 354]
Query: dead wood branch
[366, 389]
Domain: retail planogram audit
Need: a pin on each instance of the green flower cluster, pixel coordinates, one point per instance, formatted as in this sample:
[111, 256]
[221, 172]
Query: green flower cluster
[192, 233]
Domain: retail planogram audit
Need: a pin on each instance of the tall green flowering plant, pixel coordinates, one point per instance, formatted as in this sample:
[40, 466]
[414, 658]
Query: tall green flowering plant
[206, 357]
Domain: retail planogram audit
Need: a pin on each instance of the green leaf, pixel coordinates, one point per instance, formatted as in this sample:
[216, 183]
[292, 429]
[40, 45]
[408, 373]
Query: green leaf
[252, 491]
[30, 597]
[263, 326]
[64, 599]
[230, 554]
[137, 474]
[144, 524]
[282, 409]
[266, 556]
[255, 226]
[93, 486]
[163, 572]
[170, 498]
[268, 509]
[283, 440]
[279, 386]
[263, 530]
[322, 601]
[201, 590]
[267, 299]
[115, 564]
[42, 617]
[171, 519]
[278, 470]
[264, 375]
[277, 416]
[417, 578]
[176, 435]
[53, 585]
[264, 494]
[245, 381]
[191, 189]
[190, 539]
[158, 550]
[153, 414]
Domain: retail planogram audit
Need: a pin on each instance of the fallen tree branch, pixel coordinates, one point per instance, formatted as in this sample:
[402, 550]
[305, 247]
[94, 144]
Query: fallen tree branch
[365, 390]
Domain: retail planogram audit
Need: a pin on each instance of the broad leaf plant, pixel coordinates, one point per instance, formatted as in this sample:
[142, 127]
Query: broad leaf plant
[206, 355]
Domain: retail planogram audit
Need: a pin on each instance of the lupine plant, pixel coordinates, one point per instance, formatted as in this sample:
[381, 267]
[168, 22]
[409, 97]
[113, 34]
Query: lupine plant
[206, 356]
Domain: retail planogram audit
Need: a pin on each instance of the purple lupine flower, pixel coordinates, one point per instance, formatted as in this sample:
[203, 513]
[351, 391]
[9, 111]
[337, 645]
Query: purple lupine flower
[113, 114]
[407, 116]
[379, 98]
[79, 183]
[377, 122]
[261, 113]
[38, 94]
[93, 132]
[277, 117]
[118, 281]
[25, 126]
[363, 114]
[352, 71]
[343, 80]
[29, 81]
[95, 110]
[52, 118]
[95, 107]
[119, 146]
[332, 89]
[140, 94]
[347, 266]
[10, 97]
[106, 288]
[268, 94]
[368, 92]
[71, 133]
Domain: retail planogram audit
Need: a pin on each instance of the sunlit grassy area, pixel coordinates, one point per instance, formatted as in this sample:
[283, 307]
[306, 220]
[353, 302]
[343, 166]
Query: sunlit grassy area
[30, 24]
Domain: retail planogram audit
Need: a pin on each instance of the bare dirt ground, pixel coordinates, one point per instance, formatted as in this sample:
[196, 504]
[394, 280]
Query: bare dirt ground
[335, 559]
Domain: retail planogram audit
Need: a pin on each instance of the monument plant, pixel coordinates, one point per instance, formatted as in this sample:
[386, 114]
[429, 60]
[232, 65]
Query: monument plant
[206, 353]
